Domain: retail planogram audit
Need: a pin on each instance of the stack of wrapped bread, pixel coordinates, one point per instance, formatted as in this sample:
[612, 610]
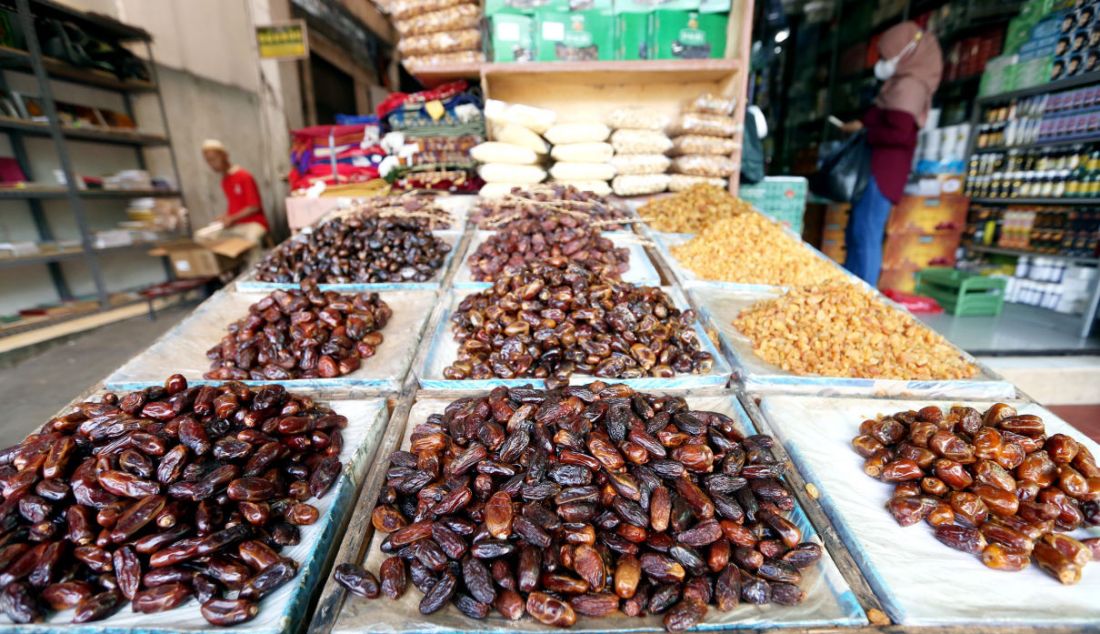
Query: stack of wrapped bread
[515, 154]
[582, 156]
[640, 144]
[702, 143]
[437, 31]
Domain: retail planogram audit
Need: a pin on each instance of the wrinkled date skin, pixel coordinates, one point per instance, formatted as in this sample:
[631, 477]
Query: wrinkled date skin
[358, 248]
[556, 522]
[300, 334]
[548, 319]
[159, 496]
[992, 484]
[555, 237]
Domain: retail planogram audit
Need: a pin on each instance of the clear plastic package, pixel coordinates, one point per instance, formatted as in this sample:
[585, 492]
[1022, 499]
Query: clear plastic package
[640, 164]
[600, 188]
[583, 152]
[566, 171]
[563, 133]
[514, 174]
[704, 165]
[640, 142]
[405, 9]
[637, 118]
[701, 144]
[682, 182]
[706, 124]
[637, 185]
[712, 104]
[462, 16]
[432, 59]
[442, 42]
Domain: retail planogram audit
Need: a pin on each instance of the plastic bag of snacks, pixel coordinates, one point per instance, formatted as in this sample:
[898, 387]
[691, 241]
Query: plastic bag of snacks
[463, 16]
[442, 42]
[494, 152]
[699, 144]
[640, 142]
[519, 135]
[600, 188]
[582, 171]
[433, 59]
[712, 104]
[637, 185]
[583, 152]
[705, 124]
[405, 9]
[517, 174]
[577, 133]
[636, 164]
[682, 182]
[637, 118]
[704, 165]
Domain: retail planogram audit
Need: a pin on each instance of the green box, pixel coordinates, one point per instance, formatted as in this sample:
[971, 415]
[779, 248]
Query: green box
[575, 36]
[513, 37]
[634, 36]
[689, 34]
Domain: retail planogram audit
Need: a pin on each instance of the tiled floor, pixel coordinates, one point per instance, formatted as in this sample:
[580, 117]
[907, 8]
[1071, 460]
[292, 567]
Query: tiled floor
[1017, 330]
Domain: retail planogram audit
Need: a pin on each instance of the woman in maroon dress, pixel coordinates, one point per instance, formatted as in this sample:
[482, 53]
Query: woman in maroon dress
[910, 66]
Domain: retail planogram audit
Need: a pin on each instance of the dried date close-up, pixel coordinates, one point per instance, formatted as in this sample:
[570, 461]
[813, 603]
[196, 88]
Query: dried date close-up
[992, 484]
[163, 496]
[301, 334]
[358, 249]
[592, 501]
[548, 320]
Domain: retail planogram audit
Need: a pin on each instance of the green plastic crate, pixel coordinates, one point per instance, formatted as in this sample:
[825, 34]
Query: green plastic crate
[780, 197]
[962, 293]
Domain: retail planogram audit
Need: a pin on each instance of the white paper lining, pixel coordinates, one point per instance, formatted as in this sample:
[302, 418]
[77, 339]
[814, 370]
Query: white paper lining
[183, 348]
[829, 600]
[919, 580]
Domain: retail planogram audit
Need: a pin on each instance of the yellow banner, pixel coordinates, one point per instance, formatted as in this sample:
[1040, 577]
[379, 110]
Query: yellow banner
[286, 40]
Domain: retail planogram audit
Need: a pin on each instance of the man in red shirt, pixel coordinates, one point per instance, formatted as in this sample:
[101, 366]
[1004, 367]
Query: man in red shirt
[245, 212]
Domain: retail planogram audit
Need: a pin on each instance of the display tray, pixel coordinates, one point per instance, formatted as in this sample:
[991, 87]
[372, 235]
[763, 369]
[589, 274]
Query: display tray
[687, 279]
[249, 284]
[286, 607]
[720, 306]
[444, 350]
[641, 271]
[183, 348]
[829, 600]
[919, 580]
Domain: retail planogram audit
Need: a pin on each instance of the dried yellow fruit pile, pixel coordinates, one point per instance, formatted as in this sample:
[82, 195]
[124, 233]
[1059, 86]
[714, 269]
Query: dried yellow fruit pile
[751, 249]
[838, 329]
[691, 210]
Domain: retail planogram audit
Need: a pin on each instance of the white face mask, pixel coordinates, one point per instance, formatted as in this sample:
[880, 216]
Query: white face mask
[887, 68]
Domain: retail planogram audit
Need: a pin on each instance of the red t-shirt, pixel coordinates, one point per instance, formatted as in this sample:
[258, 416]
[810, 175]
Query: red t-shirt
[241, 192]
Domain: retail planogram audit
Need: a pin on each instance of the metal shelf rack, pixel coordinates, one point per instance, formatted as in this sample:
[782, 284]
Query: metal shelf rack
[44, 69]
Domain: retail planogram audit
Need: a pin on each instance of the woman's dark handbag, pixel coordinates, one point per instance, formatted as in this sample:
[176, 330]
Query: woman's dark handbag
[845, 172]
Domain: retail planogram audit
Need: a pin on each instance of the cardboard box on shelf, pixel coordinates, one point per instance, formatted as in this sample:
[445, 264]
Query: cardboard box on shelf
[834, 249]
[575, 36]
[634, 36]
[689, 34]
[837, 214]
[512, 38]
[928, 214]
[210, 258]
[920, 250]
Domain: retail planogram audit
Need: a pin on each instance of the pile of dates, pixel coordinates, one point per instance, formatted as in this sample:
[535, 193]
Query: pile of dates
[548, 319]
[160, 497]
[594, 500]
[541, 201]
[359, 248]
[300, 334]
[991, 484]
[556, 238]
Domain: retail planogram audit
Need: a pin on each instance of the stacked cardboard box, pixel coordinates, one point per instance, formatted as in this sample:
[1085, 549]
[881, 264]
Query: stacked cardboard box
[922, 231]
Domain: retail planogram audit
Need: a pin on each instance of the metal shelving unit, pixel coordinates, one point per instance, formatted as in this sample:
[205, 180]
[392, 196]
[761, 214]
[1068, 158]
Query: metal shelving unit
[44, 69]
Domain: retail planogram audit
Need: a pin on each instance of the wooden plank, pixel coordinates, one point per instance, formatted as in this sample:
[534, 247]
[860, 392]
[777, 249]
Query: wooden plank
[369, 15]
